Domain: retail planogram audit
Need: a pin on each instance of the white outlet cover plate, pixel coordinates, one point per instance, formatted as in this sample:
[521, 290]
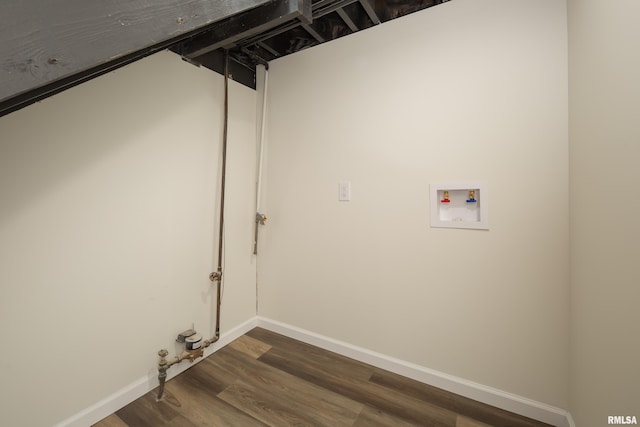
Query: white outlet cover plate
[458, 213]
[344, 191]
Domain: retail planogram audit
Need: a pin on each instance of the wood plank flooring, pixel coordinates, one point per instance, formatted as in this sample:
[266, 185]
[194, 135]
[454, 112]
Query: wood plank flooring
[267, 379]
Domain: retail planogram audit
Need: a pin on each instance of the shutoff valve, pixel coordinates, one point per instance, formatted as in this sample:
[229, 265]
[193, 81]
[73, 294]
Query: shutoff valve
[261, 218]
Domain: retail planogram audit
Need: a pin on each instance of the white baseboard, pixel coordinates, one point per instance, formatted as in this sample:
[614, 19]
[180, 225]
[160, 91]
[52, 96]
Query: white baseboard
[491, 396]
[131, 392]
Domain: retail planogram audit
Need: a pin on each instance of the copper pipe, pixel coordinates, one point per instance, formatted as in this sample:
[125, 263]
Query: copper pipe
[222, 192]
[191, 355]
[165, 364]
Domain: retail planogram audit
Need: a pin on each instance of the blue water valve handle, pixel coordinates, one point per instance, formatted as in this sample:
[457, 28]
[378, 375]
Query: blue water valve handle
[472, 196]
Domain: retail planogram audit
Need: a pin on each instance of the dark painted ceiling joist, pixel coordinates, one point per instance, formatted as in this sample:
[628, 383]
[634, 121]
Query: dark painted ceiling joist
[330, 7]
[347, 20]
[259, 38]
[275, 30]
[268, 48]
[238, 70]
[309, 29]
[370, 11]
[226, 33]
[47, 46]
[350, 16]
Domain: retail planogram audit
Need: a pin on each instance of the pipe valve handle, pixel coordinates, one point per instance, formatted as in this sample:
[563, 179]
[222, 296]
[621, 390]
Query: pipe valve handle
[261, 218]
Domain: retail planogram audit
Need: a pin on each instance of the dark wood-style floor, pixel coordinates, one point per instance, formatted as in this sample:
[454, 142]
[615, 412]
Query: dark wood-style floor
[266, 379]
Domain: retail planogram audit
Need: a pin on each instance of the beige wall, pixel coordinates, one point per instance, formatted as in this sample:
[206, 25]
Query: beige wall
[109, 192]
[108, 197]
[467, 90]
[604, 46]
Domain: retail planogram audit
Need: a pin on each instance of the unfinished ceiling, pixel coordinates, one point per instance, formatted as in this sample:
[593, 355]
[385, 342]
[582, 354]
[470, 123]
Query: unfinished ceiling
[49, 46]
[253, 44]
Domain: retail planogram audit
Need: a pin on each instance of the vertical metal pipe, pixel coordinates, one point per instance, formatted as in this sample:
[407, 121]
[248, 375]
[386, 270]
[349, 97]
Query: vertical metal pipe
[224, 155]
[225, 133]
[163, 363]
[162, 372]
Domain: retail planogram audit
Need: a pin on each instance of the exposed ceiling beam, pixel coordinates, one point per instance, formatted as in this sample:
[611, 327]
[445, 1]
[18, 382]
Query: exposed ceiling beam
[366, 5]
[238, 71]
[324, 8]
[46, 47]
[268, 48]
[347, 20]
[270, 34]
[246, 25]
[313, 32]
[322, 3]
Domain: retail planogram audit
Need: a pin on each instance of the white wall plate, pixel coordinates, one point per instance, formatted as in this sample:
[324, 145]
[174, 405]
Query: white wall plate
[460, 205]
